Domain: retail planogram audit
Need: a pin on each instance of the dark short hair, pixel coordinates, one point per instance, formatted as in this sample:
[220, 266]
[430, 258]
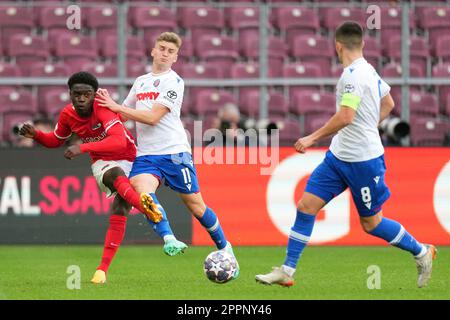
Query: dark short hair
[350, 34]
[83, 78]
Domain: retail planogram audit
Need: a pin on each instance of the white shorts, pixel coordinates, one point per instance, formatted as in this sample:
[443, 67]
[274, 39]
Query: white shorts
[99, 168]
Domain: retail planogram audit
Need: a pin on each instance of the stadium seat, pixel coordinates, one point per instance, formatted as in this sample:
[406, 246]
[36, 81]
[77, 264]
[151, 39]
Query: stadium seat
[423, 104]
[314, 122]
[442, 70]
[27, 51]
[442, 49]
[394, 70]
[20, 100]
[277, 52]
[45, 70]
[53, 20]
[220, 50]
[250, 100]
[76, 50]
[9, 70]
[391, 17]
[436, 20]
[15, 20]
[54, 101]
[136, 69]
[208, 102]
[245, 70]
[290, 131]
[427, 131]
[372, 51]
[201, 21]
[134, 46]
[313, 49]
[102, 19]
[101, 69]
[153, 20]
[243, 20]
[418, 50]
[200, 70]
[333, 17]
[313, 102]
[301, 70]
[293, 21]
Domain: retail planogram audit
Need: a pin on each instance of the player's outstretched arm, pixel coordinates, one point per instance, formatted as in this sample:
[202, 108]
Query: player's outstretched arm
[150, 117]
[338, 121]
[48, 140]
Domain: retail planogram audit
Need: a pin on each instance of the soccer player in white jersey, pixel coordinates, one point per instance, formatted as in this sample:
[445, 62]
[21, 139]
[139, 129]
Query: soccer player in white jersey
[164, 152]
[355, 160]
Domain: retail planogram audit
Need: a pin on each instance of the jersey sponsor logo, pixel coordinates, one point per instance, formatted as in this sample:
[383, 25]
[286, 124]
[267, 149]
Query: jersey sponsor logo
[349, 88]
[171, 94]
[94, 139]
[147, 96]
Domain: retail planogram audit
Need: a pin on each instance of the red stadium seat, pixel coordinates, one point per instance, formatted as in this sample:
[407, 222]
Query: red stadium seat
[244, 21]
[372, 51]
[313, 102]
[76, 50]
[209, 102]
[290, 131]
[245, 70]
[153, 20]
[391, 17]
[135, 47]
[293, 21]
[55, 100]
[277, 52]
[314, 49]
[9, 70]
[28, 50]
[219, 50]
[201, 21]
[314, 122]
[333, 17]
[442, 70]
[442, 49]
[102, 19]
[101, 69]
[201, 70]
[394, 70]
[436, 20]
[19, 100]
[249, 103]
[423, 104]
[418, 50]
[15, 20]
[426, 131]
[301, 70]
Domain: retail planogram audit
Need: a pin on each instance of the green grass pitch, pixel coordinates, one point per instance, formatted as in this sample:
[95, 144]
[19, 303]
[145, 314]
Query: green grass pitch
[144, 272]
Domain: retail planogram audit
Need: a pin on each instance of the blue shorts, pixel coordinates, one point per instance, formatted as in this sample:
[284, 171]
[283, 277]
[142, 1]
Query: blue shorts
[365, 180]
[176, 170]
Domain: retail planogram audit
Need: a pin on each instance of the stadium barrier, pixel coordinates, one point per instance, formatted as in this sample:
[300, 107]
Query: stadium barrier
[46, 199]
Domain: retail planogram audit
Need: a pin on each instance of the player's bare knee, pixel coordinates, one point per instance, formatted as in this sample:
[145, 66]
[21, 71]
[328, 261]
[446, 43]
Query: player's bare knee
[111, 175]
[368, 224]
[306, 207]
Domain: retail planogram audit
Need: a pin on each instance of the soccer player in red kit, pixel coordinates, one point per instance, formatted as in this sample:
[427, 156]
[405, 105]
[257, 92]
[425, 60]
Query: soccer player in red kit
[112, 151]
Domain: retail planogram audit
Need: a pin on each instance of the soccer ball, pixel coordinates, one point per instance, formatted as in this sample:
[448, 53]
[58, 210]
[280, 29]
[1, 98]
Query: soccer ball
[220, 266]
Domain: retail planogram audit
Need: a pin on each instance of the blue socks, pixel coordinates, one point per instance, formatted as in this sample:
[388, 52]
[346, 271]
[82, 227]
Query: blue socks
[211, 223]
[163, 227]
[394, 233]
[298, 238]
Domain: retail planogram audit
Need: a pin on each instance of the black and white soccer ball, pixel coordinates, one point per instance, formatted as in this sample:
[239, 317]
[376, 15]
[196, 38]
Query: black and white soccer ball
[220, 266]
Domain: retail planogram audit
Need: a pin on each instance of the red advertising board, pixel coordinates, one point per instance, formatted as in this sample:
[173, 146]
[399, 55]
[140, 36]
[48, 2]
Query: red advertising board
[257, 209]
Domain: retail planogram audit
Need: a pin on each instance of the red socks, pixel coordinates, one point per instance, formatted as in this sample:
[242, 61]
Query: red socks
[113, 239]
[127, 192]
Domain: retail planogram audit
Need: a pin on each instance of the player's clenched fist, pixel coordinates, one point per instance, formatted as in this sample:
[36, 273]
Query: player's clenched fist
[72, 152]
[303, 143]
[27, 130]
